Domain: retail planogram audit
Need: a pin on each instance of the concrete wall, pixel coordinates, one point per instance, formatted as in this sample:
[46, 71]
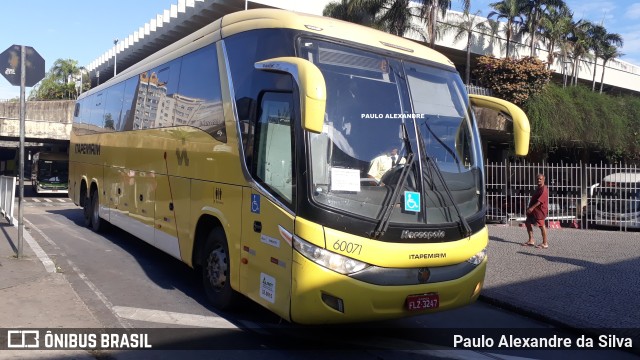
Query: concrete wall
[43, 120]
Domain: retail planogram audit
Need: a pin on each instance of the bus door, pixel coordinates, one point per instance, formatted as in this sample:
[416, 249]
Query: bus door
[267, 219]
[266, 246]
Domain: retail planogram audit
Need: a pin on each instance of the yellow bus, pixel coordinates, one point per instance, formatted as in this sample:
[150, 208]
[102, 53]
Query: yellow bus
[246, 150]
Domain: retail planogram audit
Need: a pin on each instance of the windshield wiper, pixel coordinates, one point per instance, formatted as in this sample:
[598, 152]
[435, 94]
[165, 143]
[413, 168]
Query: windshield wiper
[465, 229]
[390, 202]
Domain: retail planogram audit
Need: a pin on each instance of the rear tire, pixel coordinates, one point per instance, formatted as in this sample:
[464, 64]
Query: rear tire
[216, 270]
[97, 224]
[86, 210]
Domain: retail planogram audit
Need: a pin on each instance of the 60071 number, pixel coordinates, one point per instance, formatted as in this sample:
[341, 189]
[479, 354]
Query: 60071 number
[348, 247]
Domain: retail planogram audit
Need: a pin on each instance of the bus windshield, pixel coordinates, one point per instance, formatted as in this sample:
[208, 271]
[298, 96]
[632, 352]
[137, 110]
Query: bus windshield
[53, 171]
[358, 157]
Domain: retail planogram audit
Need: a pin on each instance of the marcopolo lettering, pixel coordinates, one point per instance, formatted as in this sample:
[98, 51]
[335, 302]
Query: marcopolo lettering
[88, 149]
[406, 234]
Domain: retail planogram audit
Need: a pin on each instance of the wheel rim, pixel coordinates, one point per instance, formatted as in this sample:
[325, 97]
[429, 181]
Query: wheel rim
[217, 268]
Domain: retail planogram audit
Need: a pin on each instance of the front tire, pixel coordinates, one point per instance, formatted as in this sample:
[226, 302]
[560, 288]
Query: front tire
[216, 270]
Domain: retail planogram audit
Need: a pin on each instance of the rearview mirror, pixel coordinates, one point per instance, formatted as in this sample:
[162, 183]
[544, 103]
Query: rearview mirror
[313, 91]
[521, 128]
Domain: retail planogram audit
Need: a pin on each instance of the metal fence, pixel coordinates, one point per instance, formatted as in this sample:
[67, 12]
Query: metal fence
[580, 195]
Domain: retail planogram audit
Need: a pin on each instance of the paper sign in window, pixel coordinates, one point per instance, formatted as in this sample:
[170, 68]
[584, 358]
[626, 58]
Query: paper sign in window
[345, 179]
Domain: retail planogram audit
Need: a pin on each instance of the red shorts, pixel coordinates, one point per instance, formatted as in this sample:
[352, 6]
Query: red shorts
[531, 220]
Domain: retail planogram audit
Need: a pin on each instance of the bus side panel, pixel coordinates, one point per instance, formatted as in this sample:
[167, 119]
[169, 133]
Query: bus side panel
[118, 180]
[172, 213]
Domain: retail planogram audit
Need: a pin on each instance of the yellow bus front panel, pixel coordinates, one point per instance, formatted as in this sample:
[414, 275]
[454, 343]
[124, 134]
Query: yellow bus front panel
[361, 301]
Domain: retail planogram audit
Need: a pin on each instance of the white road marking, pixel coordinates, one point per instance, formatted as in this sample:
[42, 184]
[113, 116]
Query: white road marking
[82, 276]
[36, 200]
[62, 200]
[48, 200]
[172, 318]
[44, 258]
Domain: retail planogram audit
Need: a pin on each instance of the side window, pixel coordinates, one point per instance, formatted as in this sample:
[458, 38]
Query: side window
[128, 104]
[113, 107]
[199, 99]
[273, 145]
[160, 99]
[97, 110]
[141, 112]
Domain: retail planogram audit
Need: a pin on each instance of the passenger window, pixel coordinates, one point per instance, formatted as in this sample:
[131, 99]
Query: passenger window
[113, 107]
[199, 99]
[128, 104]
[160, 100]
[273, 150]
[97, 111]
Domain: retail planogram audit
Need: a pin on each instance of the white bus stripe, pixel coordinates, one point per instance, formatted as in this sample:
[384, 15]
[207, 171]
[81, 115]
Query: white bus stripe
[172, 318]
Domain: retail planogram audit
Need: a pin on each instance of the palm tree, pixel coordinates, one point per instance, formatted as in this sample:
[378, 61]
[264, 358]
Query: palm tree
[63, 69]
[579, 47]
[355, 11]
[535, 11]
[465, 28]
[608, 53]
[601, 40]
[511, 11]
[393, 16]
[555, 28]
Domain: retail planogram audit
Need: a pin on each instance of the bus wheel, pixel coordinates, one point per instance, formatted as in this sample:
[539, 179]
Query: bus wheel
[97, 224]
[86, 211]
[216, 271]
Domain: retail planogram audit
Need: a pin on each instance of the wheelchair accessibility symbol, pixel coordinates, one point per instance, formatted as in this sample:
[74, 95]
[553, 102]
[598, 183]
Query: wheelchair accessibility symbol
[255, 203]
[411, 201]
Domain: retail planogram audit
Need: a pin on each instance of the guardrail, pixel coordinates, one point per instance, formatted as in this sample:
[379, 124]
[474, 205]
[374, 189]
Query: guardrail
[7, 197]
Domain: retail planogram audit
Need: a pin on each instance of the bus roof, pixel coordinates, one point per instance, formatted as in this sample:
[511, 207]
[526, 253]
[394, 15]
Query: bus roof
[622, 178]
[274, 18]
[247, 20]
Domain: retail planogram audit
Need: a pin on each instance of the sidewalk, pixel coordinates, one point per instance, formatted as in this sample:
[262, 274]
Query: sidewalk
[33, 295]
[586, 279]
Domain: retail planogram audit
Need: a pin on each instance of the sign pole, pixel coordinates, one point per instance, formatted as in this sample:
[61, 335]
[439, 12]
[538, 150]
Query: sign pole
[23, 110]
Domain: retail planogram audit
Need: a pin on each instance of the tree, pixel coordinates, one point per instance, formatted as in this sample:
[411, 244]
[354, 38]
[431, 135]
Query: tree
[600, 40]
[555, 28]
[465, 29]
[355, 11]
[59, 83]
[512, 80]
[511, 11]
[535, 11]
[579, 45]
[608, 53]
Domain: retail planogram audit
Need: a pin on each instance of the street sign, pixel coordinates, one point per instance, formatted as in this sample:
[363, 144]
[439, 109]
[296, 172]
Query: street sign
[11, 70]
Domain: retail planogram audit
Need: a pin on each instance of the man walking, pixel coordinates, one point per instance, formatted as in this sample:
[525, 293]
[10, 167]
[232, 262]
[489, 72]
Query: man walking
[537, 212]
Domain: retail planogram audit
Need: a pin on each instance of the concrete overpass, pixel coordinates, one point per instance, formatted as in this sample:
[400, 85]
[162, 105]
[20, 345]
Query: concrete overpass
[47, 128]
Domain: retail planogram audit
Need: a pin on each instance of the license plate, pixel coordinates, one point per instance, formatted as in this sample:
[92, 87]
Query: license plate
[422, 302]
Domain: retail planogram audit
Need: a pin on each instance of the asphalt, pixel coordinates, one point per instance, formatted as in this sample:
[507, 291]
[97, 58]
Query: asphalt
[586, 279]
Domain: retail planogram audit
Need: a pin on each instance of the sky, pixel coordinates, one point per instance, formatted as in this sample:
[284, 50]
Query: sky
[83, 30]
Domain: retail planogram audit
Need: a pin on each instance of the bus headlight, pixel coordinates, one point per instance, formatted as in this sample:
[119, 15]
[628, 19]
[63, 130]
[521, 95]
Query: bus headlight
[478, 258]
[330, 260]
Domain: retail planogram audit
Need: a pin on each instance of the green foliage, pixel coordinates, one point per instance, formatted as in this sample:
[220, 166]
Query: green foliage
[576, 116]
[59, 83]
[514, 80]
